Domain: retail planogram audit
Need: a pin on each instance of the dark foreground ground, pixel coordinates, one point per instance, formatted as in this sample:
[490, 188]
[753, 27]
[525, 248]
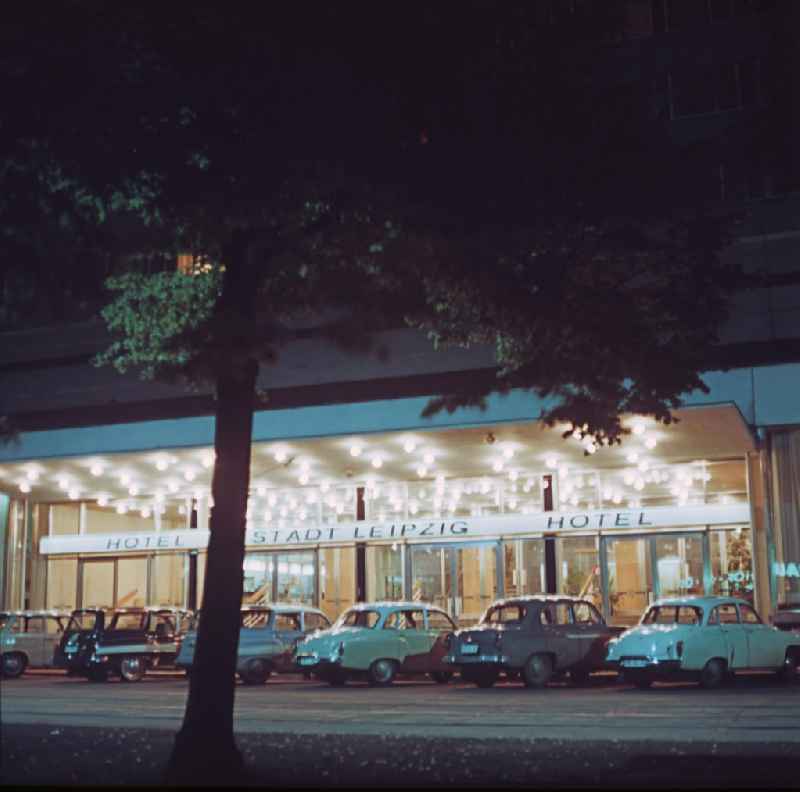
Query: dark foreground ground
[46, 755]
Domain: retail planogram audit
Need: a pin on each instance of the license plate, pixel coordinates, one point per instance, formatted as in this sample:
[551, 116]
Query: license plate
[634, 663]
[303, 661]
[469, 649]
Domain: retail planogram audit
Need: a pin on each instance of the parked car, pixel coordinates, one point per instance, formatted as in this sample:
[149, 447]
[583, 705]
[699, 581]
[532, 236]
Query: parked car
[28, 639]
[380, 640]
[267, 637]
[787, 617]
[72, 649]
[702, 638]
[532, 638]
[128, 641]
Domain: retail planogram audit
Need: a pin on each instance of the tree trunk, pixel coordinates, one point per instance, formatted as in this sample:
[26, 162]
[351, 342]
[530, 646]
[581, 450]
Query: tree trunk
[205, 750]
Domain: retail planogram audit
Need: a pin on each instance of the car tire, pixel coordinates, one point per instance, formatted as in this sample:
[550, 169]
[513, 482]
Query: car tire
[713, 674]
[14, 665]
[255, 672]
[382, 672]
[132, 669]
[537, 671]
[788, 671]
[441, 677]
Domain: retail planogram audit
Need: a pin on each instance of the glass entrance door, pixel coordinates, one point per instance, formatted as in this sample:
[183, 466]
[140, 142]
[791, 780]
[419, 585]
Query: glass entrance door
[641, 569]
[280, 577]
[113, 582]
[461, 579]
[98, 583]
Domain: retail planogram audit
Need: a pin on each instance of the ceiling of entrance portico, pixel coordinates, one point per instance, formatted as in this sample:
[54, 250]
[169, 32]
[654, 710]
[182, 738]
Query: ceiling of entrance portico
[717, 432]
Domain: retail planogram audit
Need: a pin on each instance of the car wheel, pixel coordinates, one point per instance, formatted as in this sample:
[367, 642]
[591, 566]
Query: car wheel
[713, 674]
[14, 664]
[788, 671]
[537, 671]
[441, 677]
[382, 672]
[255, 672]
[97, 674]
[132, 669]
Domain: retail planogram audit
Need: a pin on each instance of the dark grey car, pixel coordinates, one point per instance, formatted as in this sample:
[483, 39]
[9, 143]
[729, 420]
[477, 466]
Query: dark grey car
[28, 639]
[532, 637]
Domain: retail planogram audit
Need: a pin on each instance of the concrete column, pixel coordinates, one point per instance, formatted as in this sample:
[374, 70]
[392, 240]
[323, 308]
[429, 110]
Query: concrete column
[761, 531]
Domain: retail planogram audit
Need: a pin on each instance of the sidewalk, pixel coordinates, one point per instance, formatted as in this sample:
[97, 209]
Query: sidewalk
[46, 755]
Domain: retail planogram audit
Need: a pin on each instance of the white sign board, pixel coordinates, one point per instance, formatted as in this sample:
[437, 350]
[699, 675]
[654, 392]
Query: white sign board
[430, 530]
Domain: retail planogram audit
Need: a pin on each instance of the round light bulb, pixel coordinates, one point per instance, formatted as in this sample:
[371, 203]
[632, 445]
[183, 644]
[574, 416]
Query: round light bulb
[96, 469]
[422, 471]
[280, 455]
[162, 464]
[189, 474]
[24, 486]
[377, 462]
[638, 428]
[409, 446]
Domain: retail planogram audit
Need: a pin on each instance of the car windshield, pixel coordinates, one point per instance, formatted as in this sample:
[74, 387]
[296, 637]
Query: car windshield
[128, 621]
[83, 620]
[673, 614]
[358, 618]
[504, 614]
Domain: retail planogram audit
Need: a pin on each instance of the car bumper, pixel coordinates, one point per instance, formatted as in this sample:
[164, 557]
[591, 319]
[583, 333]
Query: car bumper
[478, 659]
[651, 666]
[315, 664]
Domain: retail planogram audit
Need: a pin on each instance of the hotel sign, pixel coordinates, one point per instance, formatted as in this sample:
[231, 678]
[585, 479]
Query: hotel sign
[423, 530]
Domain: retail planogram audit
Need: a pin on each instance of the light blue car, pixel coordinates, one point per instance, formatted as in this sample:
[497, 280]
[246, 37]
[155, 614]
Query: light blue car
[267, 639]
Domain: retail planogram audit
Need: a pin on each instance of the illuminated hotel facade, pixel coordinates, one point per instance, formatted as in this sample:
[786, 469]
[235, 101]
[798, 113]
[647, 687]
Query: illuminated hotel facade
[363, 499]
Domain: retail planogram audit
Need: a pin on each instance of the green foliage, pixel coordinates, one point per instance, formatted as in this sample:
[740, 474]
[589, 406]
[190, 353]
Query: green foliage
[153, 315]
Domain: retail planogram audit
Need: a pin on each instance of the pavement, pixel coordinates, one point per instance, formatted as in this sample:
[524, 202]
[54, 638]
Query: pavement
[303, 734]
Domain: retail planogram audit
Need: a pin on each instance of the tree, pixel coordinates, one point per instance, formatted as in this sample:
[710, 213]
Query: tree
[318, 176]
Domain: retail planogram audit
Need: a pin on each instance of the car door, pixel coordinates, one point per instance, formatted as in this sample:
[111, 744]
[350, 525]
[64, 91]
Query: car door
[736, 648]
[439, 626]
[765, 651]
[415, 641]
[54, 629]
[562, 637]
[593, 634]
[288, 630]
[32, 641]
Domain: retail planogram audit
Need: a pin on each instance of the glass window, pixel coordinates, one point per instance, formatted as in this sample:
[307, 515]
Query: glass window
[689, 615]
[578, 568]
[545, 615]
[630, 585]
[316, 621]
[35, 624]
[437, 620]
[384, 573]
[128, 621]
[505, 614]
[358, 618]
[661, 614]
[296, 573]
[287, 621]
[562, 613]
[337, 580]
[82, 620]
[405, 620]
[255, 619]
[749, 616]
[586, 614]
[726, 614]
[679, 562]
[732, 563]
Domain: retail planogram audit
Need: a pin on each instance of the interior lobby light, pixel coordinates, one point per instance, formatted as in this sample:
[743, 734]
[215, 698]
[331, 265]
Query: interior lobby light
[96, 469]
[551, 462]
[280, 455]
[428, 457]
[632, 457]
[508, 452]
[189, 474]
[355, 450]
[172, 486]
[422, 471]
[651, 441]
[638, 428]
[162, 463]
[133, 490]
[377, 461]
[74, 493]
[409, 445]
[24, 486]
[497, 465]
[122, 508]
[102, 499]
[207, 459]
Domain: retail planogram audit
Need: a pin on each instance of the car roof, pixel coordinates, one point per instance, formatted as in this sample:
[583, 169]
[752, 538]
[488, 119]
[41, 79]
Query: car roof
[281, 607]
[386, 605]
[701, 600]
[527, 598]
[49, 612]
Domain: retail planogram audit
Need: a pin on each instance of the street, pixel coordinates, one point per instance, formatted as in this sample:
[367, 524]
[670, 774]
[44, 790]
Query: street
[299, 732]
[755, 708]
